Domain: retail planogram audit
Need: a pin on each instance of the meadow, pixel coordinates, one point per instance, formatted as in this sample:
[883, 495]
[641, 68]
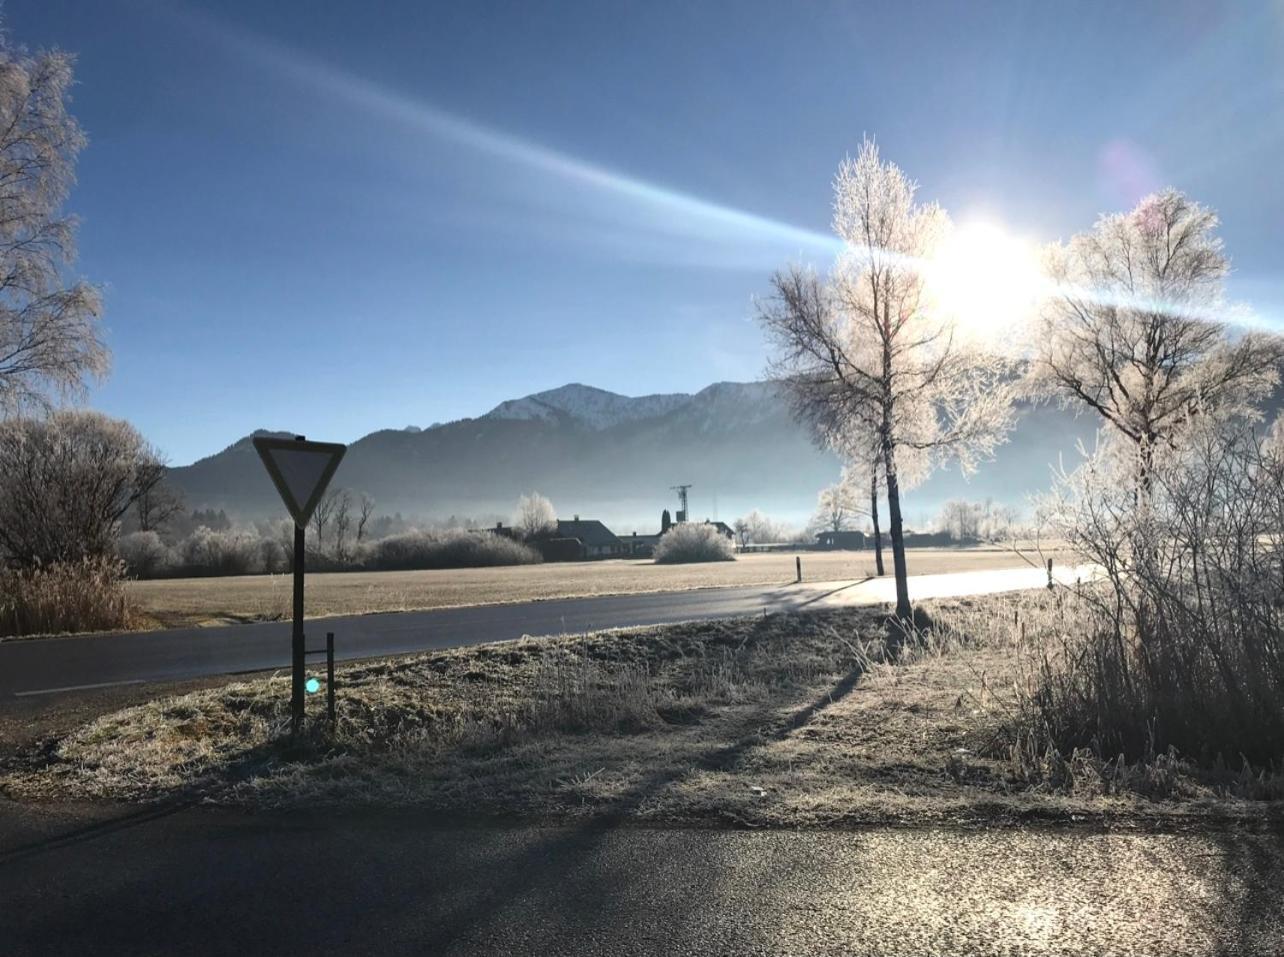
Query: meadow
[169, 603]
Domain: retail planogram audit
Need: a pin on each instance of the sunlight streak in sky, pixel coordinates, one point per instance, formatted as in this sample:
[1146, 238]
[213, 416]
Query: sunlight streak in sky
[644, 210]
[690, 215]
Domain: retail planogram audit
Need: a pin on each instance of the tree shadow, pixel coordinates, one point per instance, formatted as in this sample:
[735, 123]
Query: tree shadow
[1253, 894]
[570, 845]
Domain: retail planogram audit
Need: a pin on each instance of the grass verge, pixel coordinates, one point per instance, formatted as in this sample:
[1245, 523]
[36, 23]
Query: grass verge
[805, 720]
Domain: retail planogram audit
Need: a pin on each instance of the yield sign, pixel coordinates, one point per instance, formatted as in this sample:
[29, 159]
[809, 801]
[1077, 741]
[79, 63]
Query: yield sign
[300, 470]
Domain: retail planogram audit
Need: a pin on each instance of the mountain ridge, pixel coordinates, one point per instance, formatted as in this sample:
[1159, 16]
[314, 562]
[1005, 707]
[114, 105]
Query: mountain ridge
[615, 457]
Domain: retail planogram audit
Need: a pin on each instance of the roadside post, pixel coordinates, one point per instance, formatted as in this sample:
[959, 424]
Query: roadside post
[301, 471]
[798, 565]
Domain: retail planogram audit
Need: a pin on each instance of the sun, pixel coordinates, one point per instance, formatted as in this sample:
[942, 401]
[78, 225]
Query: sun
[987, 280]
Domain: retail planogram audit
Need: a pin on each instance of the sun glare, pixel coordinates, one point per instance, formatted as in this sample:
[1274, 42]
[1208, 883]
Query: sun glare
[987, 279]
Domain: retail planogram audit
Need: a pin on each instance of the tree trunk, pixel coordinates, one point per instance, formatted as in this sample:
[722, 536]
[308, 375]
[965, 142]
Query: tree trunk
[878, 535]
[903, 609]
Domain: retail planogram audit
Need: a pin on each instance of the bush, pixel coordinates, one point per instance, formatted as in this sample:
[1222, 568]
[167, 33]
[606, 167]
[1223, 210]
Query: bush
[690, 542]
[232, 552]
[84, 595]
[448, 549]
[1185, 648]
[145, 555]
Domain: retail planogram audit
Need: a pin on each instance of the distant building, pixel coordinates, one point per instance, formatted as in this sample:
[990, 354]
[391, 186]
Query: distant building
[841, 539]
[641, 546]
[596, 540]
[928, 540]
[560, 549]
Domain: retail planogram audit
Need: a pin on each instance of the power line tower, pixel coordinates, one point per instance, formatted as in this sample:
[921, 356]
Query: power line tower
[682, 498]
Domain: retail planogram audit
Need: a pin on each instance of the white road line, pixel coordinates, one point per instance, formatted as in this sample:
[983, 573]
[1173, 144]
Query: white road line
[103, 684]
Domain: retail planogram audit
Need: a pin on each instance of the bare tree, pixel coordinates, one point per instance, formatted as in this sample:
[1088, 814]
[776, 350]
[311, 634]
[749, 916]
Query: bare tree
[157, 505]
[65, 482]
[535, 515]
[321, 517]
[838, 505]
[363, 517]
[49, 334]
[867, 359]
[342, 522]
[741, 529]
[1134, 330]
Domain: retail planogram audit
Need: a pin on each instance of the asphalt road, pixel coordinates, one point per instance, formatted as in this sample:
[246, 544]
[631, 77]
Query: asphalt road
[210, 881]
[50, 666]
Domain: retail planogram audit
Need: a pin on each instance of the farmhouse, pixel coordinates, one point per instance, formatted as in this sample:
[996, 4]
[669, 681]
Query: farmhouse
[596, 540]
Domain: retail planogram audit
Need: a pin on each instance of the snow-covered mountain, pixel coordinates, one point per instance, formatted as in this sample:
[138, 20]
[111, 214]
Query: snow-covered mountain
[595, 408]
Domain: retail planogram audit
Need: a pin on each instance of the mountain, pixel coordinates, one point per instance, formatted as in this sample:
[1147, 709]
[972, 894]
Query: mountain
[585, 405]
[613, 457]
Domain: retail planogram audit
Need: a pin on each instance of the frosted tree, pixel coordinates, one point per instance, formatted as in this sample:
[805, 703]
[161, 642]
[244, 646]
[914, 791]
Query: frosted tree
[1134, 332]
[837, 506]
[66, 481]
[535, 516]
[869, 361]
[49, 334]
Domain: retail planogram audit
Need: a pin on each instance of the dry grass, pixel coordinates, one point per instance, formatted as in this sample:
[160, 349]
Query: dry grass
[85, 595]
[196, 601]
[786, 720]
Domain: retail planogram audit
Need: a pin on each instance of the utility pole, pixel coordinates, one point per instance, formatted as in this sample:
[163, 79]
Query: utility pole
[683, 516]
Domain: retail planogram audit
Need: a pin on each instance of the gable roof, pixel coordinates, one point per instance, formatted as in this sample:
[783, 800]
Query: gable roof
[589, 531]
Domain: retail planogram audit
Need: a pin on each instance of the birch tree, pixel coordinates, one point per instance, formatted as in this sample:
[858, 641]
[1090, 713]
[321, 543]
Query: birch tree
[49, 334]
[1133, 331]
[535, 516]
[868, 360]
[837, 506]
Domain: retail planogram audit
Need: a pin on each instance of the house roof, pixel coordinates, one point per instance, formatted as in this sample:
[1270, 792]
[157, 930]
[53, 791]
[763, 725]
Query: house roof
[589, 531]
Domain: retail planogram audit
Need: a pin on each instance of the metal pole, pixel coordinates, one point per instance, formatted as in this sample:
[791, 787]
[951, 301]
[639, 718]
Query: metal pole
[798, 563]
[329, 674]
[296, 639]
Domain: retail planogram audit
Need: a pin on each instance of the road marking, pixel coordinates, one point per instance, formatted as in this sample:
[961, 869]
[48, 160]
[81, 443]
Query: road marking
[101, 684]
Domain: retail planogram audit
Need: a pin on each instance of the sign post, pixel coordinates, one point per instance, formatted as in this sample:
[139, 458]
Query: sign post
[301, 471]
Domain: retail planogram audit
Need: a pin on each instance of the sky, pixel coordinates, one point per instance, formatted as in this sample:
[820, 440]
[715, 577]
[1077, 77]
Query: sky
[330, 218]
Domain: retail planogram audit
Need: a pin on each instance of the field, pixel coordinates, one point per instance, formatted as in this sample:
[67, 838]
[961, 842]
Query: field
[802, 720]
[215, 601]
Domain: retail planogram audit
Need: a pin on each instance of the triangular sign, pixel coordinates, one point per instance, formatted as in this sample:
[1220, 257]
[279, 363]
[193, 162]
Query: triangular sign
[300, 470]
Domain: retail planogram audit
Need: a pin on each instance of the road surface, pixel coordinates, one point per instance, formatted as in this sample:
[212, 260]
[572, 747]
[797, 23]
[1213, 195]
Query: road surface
[53, 665]
[213, 881]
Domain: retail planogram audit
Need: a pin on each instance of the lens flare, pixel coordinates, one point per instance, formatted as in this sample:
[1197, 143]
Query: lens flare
[986, 280]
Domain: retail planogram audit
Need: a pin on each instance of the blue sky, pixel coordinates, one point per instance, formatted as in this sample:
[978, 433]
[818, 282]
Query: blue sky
[332, 218]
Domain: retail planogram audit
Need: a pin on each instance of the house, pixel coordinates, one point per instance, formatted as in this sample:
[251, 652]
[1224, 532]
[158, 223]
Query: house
[722, 527]
[841, 539]
[640, 546]
[596, 540]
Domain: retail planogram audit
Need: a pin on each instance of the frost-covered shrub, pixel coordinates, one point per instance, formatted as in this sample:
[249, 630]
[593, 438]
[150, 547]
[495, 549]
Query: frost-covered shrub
[454, 548]
[690, 542]
[145, 555]
[1186, 647]
[232, 552]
